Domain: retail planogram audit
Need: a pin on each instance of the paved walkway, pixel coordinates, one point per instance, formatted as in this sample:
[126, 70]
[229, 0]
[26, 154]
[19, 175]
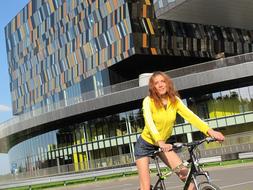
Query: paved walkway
[232, 177]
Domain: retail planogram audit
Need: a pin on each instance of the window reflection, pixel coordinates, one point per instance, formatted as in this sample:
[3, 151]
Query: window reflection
[100, 141]
[246, 99]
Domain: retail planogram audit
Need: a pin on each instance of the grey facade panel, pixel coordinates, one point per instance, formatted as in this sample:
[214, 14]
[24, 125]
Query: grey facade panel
[183, 82]
[214, 76]
[229, 13]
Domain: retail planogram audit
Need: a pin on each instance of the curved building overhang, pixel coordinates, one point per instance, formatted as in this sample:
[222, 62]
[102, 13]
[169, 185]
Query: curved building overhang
[229, 13]
[205, 75]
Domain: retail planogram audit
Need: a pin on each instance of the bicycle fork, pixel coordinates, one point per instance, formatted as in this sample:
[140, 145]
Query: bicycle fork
[192, 177]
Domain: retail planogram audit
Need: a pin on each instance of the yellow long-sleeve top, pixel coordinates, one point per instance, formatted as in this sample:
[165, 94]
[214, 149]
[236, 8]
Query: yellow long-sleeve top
[159, 122]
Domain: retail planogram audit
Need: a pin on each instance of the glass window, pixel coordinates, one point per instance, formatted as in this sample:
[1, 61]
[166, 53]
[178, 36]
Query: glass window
[246, 99]
[92, 132]
[235, 101]
[99, 129]
[199, 106]
[133, 121]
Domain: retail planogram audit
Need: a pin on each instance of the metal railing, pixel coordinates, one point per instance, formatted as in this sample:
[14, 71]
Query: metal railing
[86, 166]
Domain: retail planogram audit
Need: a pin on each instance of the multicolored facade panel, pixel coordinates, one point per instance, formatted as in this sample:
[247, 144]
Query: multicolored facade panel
[58, 49]
[55, 44]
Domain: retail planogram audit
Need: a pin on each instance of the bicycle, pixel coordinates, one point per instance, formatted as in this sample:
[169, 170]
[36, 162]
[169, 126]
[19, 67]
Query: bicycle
[195, 169]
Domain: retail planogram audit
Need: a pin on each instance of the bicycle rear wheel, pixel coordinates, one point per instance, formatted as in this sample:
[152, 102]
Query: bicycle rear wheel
[208, 186]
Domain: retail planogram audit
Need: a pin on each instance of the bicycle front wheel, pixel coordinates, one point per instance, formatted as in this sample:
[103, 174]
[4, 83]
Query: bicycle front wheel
[208, 186]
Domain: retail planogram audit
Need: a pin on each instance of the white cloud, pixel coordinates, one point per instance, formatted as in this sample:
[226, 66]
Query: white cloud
[4, 108]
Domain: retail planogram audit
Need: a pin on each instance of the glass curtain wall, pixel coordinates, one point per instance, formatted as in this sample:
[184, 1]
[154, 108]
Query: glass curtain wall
[222, 104]
[109, 141]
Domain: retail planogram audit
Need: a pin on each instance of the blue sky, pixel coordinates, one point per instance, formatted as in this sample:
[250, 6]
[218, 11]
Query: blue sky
[8, 9]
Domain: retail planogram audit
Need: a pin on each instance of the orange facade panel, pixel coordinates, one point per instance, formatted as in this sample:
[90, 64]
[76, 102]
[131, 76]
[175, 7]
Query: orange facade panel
[144, 11]
[144, 40]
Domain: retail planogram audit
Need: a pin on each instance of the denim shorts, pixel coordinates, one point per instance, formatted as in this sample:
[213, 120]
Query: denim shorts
[143, 148]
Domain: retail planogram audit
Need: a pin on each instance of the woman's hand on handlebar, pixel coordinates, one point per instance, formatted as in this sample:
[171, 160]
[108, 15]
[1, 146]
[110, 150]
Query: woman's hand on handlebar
[165, 147]
[216, 134]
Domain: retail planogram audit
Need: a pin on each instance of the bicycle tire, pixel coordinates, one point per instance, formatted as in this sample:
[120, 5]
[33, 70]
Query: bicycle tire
[208, 186]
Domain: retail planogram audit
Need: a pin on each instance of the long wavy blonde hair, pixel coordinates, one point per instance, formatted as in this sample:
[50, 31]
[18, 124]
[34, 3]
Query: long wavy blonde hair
[171, 91]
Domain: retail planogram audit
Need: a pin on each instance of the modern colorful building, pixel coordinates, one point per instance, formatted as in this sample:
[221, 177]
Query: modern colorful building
[75, 71]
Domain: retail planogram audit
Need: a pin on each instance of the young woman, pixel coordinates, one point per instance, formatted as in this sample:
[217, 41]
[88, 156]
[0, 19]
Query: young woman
[159, 110]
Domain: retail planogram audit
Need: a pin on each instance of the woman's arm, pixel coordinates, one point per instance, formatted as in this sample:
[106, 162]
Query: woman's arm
[149, 120]
[192, 118]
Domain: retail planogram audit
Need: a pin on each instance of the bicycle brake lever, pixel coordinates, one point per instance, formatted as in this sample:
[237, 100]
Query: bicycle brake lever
[177, 145]
[210, 139]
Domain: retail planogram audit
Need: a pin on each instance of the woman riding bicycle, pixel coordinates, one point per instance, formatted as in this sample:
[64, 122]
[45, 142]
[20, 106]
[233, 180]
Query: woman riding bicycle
[159, 110]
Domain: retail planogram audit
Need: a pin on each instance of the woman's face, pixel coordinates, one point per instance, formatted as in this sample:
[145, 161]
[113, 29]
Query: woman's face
[160, 85]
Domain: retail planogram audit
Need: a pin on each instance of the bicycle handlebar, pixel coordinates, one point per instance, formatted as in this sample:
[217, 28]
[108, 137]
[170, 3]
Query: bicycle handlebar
[177, 146]
[194, 143]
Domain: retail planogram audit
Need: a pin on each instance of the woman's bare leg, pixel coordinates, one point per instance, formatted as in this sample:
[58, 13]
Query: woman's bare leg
[143, 171]
[172, 160]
